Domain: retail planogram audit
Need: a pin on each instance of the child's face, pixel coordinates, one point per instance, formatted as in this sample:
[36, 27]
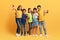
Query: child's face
[24, 11]
[30, 10]
[20, 7]
[39, 8]
[34, 11]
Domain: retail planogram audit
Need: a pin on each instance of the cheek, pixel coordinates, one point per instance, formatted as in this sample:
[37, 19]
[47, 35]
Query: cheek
[39, 8]
[35, 11]
[24, 11]
[20, 7]
[30, 10]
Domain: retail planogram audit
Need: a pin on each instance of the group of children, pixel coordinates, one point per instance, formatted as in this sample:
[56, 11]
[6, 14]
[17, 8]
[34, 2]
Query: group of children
[35, 18]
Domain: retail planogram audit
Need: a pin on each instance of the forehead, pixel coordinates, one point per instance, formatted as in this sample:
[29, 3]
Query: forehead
[34, 10]
[38, 7]
[24, 10]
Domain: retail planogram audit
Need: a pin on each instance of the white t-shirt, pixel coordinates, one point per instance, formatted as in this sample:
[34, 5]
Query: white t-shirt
[35, 15]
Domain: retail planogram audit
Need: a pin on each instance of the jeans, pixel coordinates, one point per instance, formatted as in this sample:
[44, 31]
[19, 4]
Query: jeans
[35, 24]
[23, 26]
[30, 27]
[42, 24]
[18, 21]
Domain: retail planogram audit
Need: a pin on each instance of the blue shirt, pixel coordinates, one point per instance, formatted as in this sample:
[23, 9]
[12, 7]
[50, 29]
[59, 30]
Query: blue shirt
[23, 20]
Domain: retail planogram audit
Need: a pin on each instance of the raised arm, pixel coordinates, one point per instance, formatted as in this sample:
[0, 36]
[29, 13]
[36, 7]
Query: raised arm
[13, 8]
[45, 12]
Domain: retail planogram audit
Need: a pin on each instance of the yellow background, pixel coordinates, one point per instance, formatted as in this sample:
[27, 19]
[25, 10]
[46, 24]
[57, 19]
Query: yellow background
[8, 25]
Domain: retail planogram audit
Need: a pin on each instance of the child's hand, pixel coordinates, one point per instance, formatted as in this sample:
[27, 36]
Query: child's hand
[28, 17]
[13, 8]
[45, 11]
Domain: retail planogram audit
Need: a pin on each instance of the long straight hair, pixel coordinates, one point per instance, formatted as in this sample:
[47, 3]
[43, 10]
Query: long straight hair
[19, 7]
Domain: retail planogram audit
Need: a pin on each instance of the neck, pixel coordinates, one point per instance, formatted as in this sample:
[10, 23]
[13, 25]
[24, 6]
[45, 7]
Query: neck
[23, 13]
[39, 10]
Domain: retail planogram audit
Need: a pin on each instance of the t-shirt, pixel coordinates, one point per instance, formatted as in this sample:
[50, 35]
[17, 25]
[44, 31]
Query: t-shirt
[35, 17]
[19, 14]
[23, 19]
[30, 17]
[41, 15]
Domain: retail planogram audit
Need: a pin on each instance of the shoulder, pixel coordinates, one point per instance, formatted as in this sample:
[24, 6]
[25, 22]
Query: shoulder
[25, 14]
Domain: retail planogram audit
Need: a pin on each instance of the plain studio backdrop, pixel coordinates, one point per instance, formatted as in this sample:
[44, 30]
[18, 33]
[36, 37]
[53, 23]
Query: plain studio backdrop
[8, 24]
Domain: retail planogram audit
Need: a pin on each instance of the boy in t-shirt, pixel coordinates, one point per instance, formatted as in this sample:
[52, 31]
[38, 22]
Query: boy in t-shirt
[42, 20]
[23, 20]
